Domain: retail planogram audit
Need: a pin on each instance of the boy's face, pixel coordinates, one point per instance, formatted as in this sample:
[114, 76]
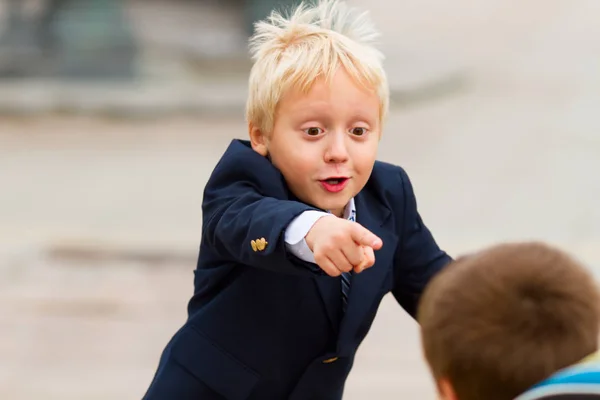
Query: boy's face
[325, 141]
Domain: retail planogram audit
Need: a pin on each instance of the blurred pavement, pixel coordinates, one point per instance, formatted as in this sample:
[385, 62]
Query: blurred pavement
[100, 219]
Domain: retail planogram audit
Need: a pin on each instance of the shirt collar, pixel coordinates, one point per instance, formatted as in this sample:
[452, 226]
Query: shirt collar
[350, 210]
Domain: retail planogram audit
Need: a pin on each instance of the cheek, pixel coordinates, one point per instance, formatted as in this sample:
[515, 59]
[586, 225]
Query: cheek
[364, 159]
[294, 164]
[299, 168]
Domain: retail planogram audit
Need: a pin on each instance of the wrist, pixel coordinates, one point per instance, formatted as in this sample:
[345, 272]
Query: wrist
[310, 235]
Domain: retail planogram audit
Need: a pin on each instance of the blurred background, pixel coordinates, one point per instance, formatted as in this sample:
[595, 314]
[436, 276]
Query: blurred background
[114, 112]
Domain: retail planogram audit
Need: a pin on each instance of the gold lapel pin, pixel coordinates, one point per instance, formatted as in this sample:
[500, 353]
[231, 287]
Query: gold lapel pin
[259, 244]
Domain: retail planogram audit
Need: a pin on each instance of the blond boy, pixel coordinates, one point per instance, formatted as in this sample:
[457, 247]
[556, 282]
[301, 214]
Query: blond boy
[303, 230]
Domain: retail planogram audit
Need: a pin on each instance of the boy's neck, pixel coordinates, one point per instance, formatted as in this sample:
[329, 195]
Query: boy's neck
[593, 357]
[346, 211]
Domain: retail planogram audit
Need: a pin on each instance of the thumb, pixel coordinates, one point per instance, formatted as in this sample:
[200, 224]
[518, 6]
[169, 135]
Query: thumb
[365, 237]
[367, 261]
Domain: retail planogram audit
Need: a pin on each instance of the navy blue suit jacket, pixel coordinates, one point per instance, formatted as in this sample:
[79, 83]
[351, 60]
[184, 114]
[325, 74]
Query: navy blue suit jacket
[264, 325]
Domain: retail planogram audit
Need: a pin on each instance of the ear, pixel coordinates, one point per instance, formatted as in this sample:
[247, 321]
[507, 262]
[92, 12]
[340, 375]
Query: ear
[258, 140]
[446, 390]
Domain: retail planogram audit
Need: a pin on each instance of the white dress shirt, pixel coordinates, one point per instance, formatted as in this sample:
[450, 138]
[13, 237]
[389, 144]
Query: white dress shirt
[299, 227]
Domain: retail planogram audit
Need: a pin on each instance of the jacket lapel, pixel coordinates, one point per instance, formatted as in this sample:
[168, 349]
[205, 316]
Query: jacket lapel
[366, 285]
[331, 294]
[374, 216]
[329, 288]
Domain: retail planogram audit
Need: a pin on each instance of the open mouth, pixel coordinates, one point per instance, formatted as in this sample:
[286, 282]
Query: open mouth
[334, 185]
[335, 181]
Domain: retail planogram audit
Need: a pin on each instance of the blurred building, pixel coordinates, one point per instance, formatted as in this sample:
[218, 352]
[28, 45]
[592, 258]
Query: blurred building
[105, 39]
[126, 57]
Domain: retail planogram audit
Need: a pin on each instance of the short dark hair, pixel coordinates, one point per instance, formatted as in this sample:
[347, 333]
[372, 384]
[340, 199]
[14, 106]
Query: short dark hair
[496, 322]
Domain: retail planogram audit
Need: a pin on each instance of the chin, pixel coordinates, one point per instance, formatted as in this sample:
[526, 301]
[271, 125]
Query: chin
[338, 205]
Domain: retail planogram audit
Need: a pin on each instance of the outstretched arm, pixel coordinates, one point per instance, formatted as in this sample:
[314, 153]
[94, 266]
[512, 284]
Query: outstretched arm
[246, 200]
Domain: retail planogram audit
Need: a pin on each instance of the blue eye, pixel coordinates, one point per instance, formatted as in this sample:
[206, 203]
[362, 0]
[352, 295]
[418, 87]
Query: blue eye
[313, 131]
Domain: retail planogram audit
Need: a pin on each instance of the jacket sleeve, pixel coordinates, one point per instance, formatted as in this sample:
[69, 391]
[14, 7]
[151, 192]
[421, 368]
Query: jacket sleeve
[418, 256]
[246, 200]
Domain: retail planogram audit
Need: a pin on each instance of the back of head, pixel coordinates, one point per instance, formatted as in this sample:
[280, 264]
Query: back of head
[311, 43]
[497, 322]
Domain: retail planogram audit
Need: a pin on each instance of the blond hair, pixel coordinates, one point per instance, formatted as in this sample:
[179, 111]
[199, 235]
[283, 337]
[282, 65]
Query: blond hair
[311, 43]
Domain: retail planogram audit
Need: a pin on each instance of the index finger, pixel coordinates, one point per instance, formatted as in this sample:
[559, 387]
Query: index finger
[365, 237]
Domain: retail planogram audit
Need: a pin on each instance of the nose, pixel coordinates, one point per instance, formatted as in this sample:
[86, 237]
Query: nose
[337, 150]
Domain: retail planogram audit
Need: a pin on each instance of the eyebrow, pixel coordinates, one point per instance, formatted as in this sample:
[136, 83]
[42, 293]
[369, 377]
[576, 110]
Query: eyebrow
[363, 117]
[308, 113]
[314, 111]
